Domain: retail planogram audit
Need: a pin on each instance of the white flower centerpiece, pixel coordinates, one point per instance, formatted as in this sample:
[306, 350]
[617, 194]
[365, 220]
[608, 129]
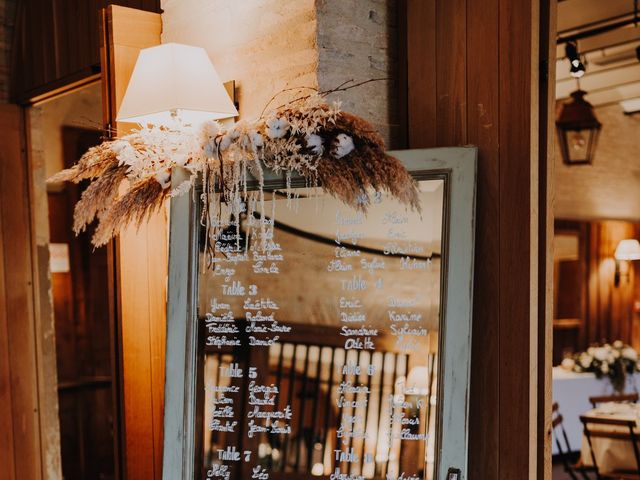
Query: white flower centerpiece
[615, 361]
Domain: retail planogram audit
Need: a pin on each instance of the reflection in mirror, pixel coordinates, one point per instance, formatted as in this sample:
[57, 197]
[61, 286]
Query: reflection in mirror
[319, 333]
[61, 129]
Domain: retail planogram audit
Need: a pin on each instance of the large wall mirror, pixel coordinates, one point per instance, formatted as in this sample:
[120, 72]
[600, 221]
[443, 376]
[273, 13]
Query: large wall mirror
[315, 341]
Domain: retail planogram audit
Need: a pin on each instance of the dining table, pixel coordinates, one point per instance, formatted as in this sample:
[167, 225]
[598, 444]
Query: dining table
[572, 391]
[611, 454]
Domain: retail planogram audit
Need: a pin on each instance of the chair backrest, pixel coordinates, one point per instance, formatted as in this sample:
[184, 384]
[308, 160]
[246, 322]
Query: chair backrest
[627, 433]
[560, 436]
[625, 397]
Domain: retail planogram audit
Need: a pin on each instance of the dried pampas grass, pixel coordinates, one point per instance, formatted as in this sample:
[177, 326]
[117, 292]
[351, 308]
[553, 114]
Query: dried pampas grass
[337, 151]
[98, 197]
[133, 207]
[367, 167]
[91, 165]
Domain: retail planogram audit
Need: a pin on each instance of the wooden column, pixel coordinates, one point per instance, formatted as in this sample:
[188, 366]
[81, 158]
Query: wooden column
[473, 79]
[141, 258]
[29, 431]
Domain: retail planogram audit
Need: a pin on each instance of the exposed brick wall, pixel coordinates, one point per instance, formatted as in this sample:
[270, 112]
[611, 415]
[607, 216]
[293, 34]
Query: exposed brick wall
[356, 40]
[270, 45]
[610, 188]
[7, 18]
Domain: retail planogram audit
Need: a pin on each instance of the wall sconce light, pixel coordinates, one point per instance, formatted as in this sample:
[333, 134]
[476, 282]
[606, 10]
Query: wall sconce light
[627, 250]
[578, 130]
[175, 84]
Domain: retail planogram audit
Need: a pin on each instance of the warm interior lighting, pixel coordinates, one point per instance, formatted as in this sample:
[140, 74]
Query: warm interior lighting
[59, 258]
[628, 249]
[317, 470]
[174, 82]
[417, 381]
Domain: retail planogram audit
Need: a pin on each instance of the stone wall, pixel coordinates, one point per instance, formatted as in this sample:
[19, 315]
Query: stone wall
[610, 188]
[357, 41]
[264, 45]
[7, 19]
[271, 45]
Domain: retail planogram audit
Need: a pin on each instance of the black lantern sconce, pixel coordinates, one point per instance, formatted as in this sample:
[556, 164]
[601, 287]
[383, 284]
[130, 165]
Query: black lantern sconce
[578, 130]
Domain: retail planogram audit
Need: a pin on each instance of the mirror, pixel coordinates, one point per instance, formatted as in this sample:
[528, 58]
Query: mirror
[317, 345]
[338, 316]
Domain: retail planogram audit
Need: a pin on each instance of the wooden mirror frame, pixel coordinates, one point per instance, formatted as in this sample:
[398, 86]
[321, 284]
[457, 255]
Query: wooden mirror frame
[457, 167]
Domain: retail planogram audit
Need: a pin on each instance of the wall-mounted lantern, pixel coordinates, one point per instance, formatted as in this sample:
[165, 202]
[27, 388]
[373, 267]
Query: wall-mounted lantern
[578, 130]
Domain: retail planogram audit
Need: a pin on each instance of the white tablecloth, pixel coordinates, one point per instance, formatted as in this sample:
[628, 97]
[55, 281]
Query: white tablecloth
[572, 391]
[611, 454]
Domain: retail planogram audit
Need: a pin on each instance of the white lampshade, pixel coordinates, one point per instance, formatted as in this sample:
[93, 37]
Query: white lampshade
[174, 79]
[628, 250]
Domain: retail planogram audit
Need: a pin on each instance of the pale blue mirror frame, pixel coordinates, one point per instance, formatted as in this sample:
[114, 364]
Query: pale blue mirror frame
[458, 167]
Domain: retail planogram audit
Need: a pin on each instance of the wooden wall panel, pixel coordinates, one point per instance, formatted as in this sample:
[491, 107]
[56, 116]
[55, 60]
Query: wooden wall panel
[141, 264]
[27, 353]
[518, 239]
[421, 77]
[451, 72]
[7, 442]
[610, 310]
[607, 312]
[483, 119]
[18, 296]
[57, 42]
[546, 169]
[479, 58]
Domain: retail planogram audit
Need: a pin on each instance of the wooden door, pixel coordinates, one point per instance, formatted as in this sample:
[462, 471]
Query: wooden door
[140, 264]
[29, 435]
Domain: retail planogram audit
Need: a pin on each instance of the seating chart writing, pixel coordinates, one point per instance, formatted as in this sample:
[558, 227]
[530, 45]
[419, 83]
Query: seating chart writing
[320, 331]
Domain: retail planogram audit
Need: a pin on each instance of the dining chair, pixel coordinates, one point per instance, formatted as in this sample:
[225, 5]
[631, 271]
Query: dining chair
[605, 431]
[564, 448]
[619, 398]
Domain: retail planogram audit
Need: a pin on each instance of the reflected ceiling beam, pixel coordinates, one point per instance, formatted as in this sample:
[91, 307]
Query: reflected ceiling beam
[593, 70]
[612, 95]
[578, 15]
[607, 34]
[599, 30]
[610, 78]
[332, 241]
[622, 37]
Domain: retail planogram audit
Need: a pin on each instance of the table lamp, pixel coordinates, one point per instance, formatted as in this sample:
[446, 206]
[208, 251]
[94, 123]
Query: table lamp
[174, 84]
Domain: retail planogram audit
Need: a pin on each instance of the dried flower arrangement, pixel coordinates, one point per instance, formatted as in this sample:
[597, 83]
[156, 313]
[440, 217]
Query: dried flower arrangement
[335, 150]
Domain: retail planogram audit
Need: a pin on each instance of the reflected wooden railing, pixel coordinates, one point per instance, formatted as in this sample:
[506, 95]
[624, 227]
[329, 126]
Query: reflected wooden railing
[308, 368]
